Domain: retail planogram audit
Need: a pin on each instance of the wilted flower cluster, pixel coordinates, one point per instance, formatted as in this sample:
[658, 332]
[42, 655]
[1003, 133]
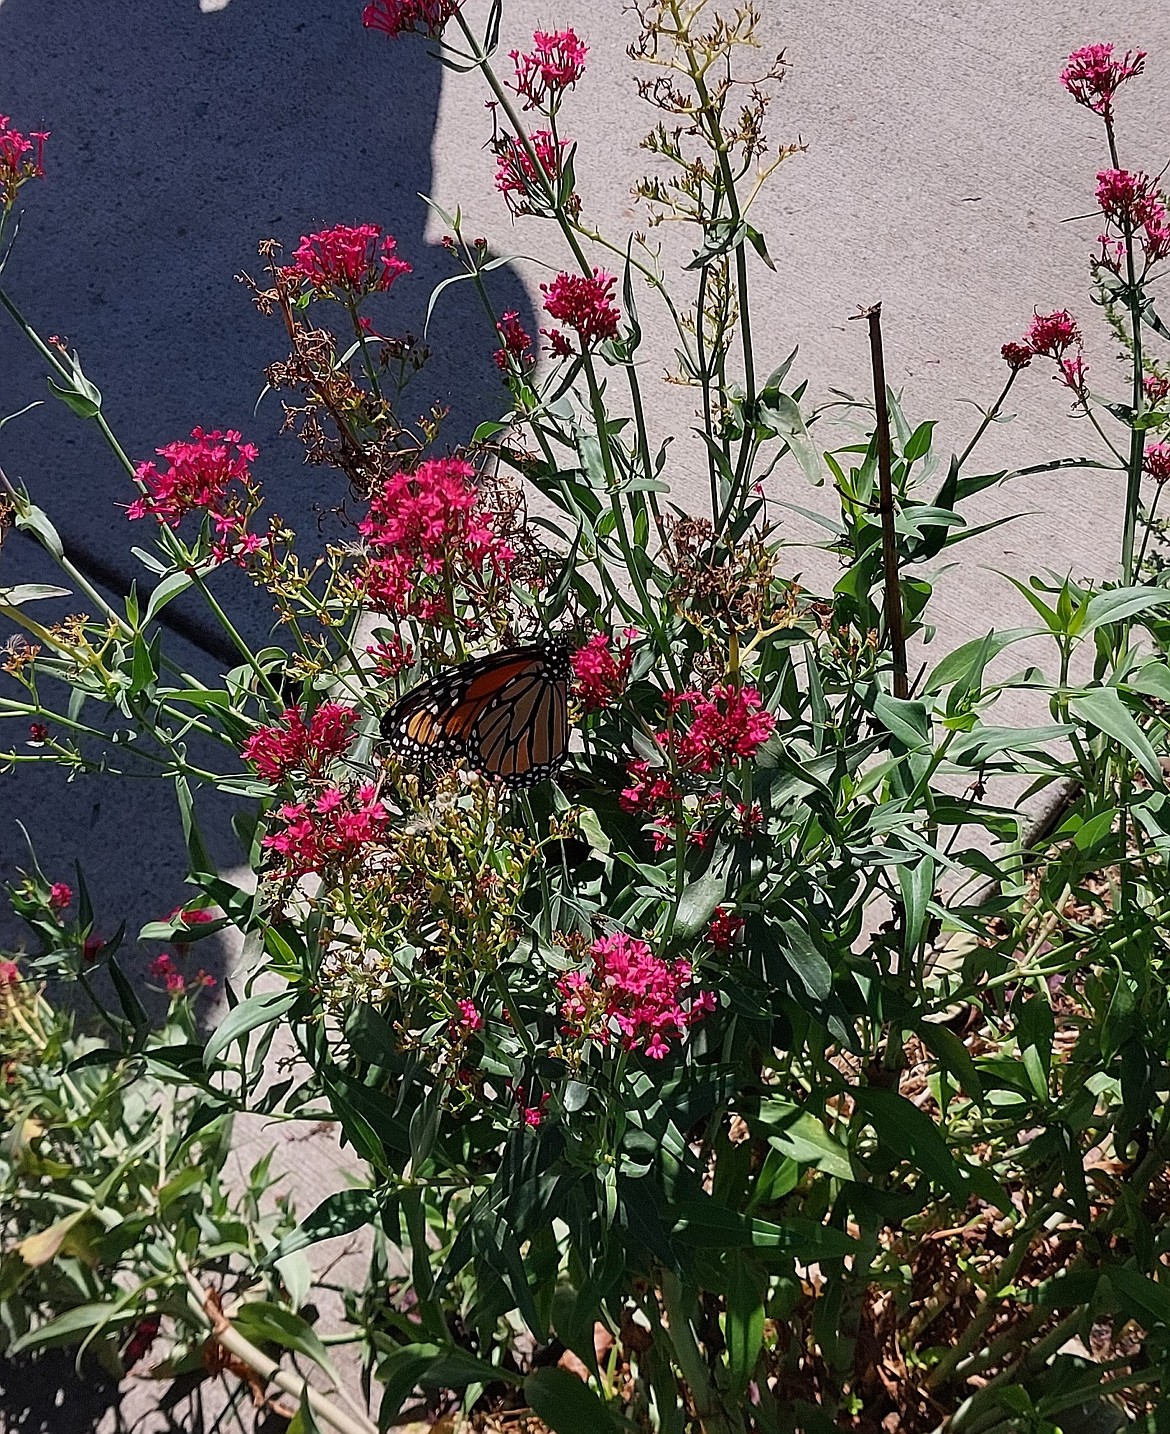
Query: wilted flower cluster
[601, 671]
[426, 532]
[555, 62]
[585, 304]
[201, 477]
[21, 159]
[398, 17]
[631, 996]
[163, 969]
[1156, 462]
[294, 744]
[347, 261]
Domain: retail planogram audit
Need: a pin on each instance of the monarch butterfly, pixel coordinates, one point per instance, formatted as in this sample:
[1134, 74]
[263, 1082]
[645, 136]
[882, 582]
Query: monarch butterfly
[506, 713]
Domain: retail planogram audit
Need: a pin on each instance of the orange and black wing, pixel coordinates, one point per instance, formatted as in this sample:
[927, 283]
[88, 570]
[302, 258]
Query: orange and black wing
[507, 714]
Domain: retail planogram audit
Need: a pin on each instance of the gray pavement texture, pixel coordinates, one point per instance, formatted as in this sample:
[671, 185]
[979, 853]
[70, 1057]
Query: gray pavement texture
[942, 158]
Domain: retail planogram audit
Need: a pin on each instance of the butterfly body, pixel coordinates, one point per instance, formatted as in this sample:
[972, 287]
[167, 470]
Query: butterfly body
[505, 714]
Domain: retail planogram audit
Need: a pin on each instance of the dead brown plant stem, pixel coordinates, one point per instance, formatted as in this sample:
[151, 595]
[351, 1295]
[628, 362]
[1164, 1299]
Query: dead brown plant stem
[895, 628]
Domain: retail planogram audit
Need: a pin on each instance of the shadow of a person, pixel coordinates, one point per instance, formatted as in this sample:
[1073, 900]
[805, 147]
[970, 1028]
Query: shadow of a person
[180, 139]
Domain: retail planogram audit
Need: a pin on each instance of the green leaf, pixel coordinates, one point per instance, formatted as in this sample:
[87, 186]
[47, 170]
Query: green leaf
[1103, 707]
[74, 1325]
[904, 719]
[911, 1135]
[169, 588]
[1142, 1298]
[784, 417]
[699, 899]
[744, 1324]
[249, 1015]
[30, 592]
[800, 1135]
[565, 1403]
[261, 1321]
[1119, 603]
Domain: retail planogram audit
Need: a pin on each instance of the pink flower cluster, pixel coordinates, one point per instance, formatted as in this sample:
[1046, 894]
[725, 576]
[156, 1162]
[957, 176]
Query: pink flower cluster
[555, 62]
[469, 1019]
[1157, 462]
[729, 725]
[585, 304]
[1093, 76]
[296, 745]
[198, 478]
[631, 995]
[336, 827]
[524, 184]
[163, 969]
[18, 163]
[391, 658]
[9, 974]
[601, 673]
[399, 17]
[60, 895]
[1052, 336]
[348, 261]
[515, 342]
[1129, 199]
[426, 530]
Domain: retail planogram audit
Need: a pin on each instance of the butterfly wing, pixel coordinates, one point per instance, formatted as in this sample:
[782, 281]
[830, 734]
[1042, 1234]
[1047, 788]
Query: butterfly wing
[506, 713]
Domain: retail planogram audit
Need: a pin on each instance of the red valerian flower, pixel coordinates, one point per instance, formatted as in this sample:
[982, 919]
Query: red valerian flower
[1016, 356]
[9, 974]
[399, 17]
[197, 479]
[526, 185]
[90, 948]
[338, 826]
[1073, 373]
[18, 163]
[585, 304]
[630, 995]
[294, 744]
[1157, 386]
[38, 732]
[60, 895]
[163, 968]
[1156, 462]
[1092, 76]
[515, 342]
[1126, 196]
[348, 261]
[1051, 334]
[425, 531]
[391, 658]
[469, 1020]
[724, 928]
[600, 675]
[555, 62]
[730, 724]
[531, 1116]
[650, 787]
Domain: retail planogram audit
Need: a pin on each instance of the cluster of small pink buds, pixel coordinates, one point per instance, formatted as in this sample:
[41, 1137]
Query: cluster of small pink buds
[198, 478]
[1130, 201]
[426, 530]
[163, 969]
[1156, 462]
[1092, 75]
[1052, 336]
[528, 175]
[60, 895]
[515, 343]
